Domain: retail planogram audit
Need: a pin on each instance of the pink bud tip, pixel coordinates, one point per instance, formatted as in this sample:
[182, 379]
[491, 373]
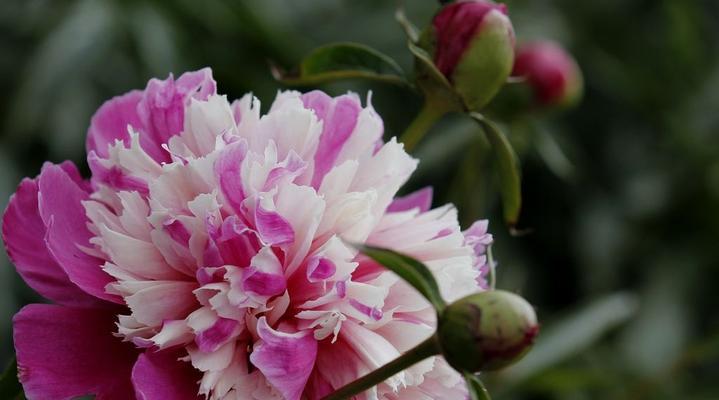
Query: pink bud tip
[455, 26]
[550, 71]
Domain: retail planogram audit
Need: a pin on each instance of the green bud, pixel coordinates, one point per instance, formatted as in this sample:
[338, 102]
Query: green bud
[487, 331]
[473, 46]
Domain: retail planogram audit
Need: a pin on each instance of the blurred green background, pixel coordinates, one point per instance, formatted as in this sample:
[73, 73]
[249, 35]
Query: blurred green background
[621, 194]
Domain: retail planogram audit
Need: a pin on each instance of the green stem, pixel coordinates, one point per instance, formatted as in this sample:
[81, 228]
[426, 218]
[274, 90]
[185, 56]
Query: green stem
[428, 348]
[430, 113]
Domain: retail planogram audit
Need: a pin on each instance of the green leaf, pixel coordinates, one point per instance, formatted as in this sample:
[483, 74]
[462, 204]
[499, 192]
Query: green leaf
[476, 388]
[573, 334]
[10, 387]
[412, 271]
[507, 162]
[343, 61]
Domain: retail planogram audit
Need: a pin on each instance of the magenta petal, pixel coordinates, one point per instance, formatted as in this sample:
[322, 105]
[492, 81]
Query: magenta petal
[235, 243]
[64, 353]
[60, 205]
[285, 359]
[228, 173]
[74, 174]
[273, 228]
[318, 101]
[215, 336]
[339, 117]
[160, 376]
[320, 269]
[110, 122]
[421, 199]
[23, 233]
[162, 108]
[263, 283]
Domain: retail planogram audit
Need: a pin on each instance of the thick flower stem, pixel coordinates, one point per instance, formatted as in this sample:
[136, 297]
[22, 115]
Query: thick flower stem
[428, 348]
[430, 113]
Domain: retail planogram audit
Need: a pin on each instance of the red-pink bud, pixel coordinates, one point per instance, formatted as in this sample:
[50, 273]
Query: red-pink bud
[455, 26]
[550, 71]
[474, 48]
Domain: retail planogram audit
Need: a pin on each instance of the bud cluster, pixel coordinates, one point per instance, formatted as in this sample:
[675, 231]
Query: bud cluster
[472, 43]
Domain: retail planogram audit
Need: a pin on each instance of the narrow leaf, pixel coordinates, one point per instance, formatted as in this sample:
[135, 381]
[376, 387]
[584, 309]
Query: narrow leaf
[412, 271]
[10, 387]
[409, 28]
[507, 163]
[343, 61]
[427, 67]
[476, 388]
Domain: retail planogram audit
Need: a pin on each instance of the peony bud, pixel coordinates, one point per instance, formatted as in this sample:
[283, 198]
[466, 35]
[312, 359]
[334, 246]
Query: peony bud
[474, 49]
[552, 74]
[487, 331]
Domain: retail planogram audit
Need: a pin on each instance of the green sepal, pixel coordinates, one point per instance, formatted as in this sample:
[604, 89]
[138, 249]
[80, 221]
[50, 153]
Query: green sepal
[412, 271]
[508, 169]
[476, 388]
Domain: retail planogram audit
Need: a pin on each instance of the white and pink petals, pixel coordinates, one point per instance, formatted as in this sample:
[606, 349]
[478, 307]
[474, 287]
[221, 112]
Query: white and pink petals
[272, 228]
[229, 236]
[212, 331]
[163, 106]
[229, 174]
[264, 277]
[339, 119]
[172, 334]
[162, 301]
[285, 359]
[421, 200]
[385, 172]
[246, 112]
[303, 209]
[479, 239]
[292, 127]
[365, 138]
[205, 122]
[110, 122]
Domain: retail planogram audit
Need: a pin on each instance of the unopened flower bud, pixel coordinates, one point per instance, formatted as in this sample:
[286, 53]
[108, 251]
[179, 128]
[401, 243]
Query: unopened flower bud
[474, 48]
[552, 74]
[487, 331]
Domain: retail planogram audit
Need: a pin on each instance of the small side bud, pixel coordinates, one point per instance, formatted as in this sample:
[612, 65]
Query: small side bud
[551, 73]
[487, 331]
[473, 47]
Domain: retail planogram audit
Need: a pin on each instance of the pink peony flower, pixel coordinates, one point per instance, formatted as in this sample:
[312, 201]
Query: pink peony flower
[207, 256]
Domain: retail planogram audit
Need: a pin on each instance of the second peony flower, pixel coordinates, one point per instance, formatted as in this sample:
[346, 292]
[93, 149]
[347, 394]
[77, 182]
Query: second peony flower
[209, 254]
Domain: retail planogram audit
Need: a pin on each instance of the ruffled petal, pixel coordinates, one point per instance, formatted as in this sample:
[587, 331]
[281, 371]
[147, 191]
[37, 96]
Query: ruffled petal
[227, 170]
[161, 376]
[162, 108]
[110, 123]
[339, 117]
[64, 353]
[285, 359]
